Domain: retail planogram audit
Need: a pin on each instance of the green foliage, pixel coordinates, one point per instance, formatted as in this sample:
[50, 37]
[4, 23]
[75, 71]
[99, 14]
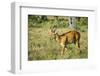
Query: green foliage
[35, 20]
[43, 21]
[82, 23]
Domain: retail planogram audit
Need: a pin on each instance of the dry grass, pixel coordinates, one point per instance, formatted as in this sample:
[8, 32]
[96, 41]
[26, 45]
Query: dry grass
[41, 47]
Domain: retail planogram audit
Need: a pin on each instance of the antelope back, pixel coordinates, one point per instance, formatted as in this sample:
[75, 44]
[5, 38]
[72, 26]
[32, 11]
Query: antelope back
[68, 37]
[73, 36]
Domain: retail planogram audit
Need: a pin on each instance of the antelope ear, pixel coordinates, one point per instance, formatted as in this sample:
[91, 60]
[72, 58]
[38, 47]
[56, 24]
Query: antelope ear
[54, 28]
[50, 27]
[56, 32]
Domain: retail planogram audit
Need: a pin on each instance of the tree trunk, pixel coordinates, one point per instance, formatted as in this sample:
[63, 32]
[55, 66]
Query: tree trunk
[72, 22]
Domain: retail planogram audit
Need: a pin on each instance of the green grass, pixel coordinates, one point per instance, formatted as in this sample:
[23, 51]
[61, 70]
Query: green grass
[41, 47]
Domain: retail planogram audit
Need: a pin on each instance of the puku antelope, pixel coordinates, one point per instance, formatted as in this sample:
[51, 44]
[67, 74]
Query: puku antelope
[66, 38]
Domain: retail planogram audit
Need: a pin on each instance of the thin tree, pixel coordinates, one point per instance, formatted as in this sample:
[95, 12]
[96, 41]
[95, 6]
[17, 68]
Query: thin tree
[72, 22]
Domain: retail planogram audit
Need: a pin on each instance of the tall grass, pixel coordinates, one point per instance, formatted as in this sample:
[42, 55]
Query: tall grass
[41, 47]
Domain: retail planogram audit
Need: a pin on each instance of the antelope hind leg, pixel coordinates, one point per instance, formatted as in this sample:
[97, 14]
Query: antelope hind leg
[78, 48]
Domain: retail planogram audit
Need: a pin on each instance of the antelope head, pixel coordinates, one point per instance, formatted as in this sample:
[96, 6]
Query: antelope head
[52, 32]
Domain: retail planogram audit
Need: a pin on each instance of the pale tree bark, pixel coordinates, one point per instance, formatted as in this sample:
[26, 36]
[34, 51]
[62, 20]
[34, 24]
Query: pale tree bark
[72, 22]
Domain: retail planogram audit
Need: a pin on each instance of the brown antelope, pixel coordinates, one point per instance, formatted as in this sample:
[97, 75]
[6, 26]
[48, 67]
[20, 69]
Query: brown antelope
[66, 38]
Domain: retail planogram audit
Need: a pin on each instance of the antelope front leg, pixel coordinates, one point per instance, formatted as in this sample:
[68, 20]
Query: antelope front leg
[63, 50]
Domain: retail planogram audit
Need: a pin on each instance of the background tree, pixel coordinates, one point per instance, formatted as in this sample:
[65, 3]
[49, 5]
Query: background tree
[72, 22]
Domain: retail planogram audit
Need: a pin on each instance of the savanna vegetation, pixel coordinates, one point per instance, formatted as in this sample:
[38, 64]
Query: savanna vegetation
[41, 46]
